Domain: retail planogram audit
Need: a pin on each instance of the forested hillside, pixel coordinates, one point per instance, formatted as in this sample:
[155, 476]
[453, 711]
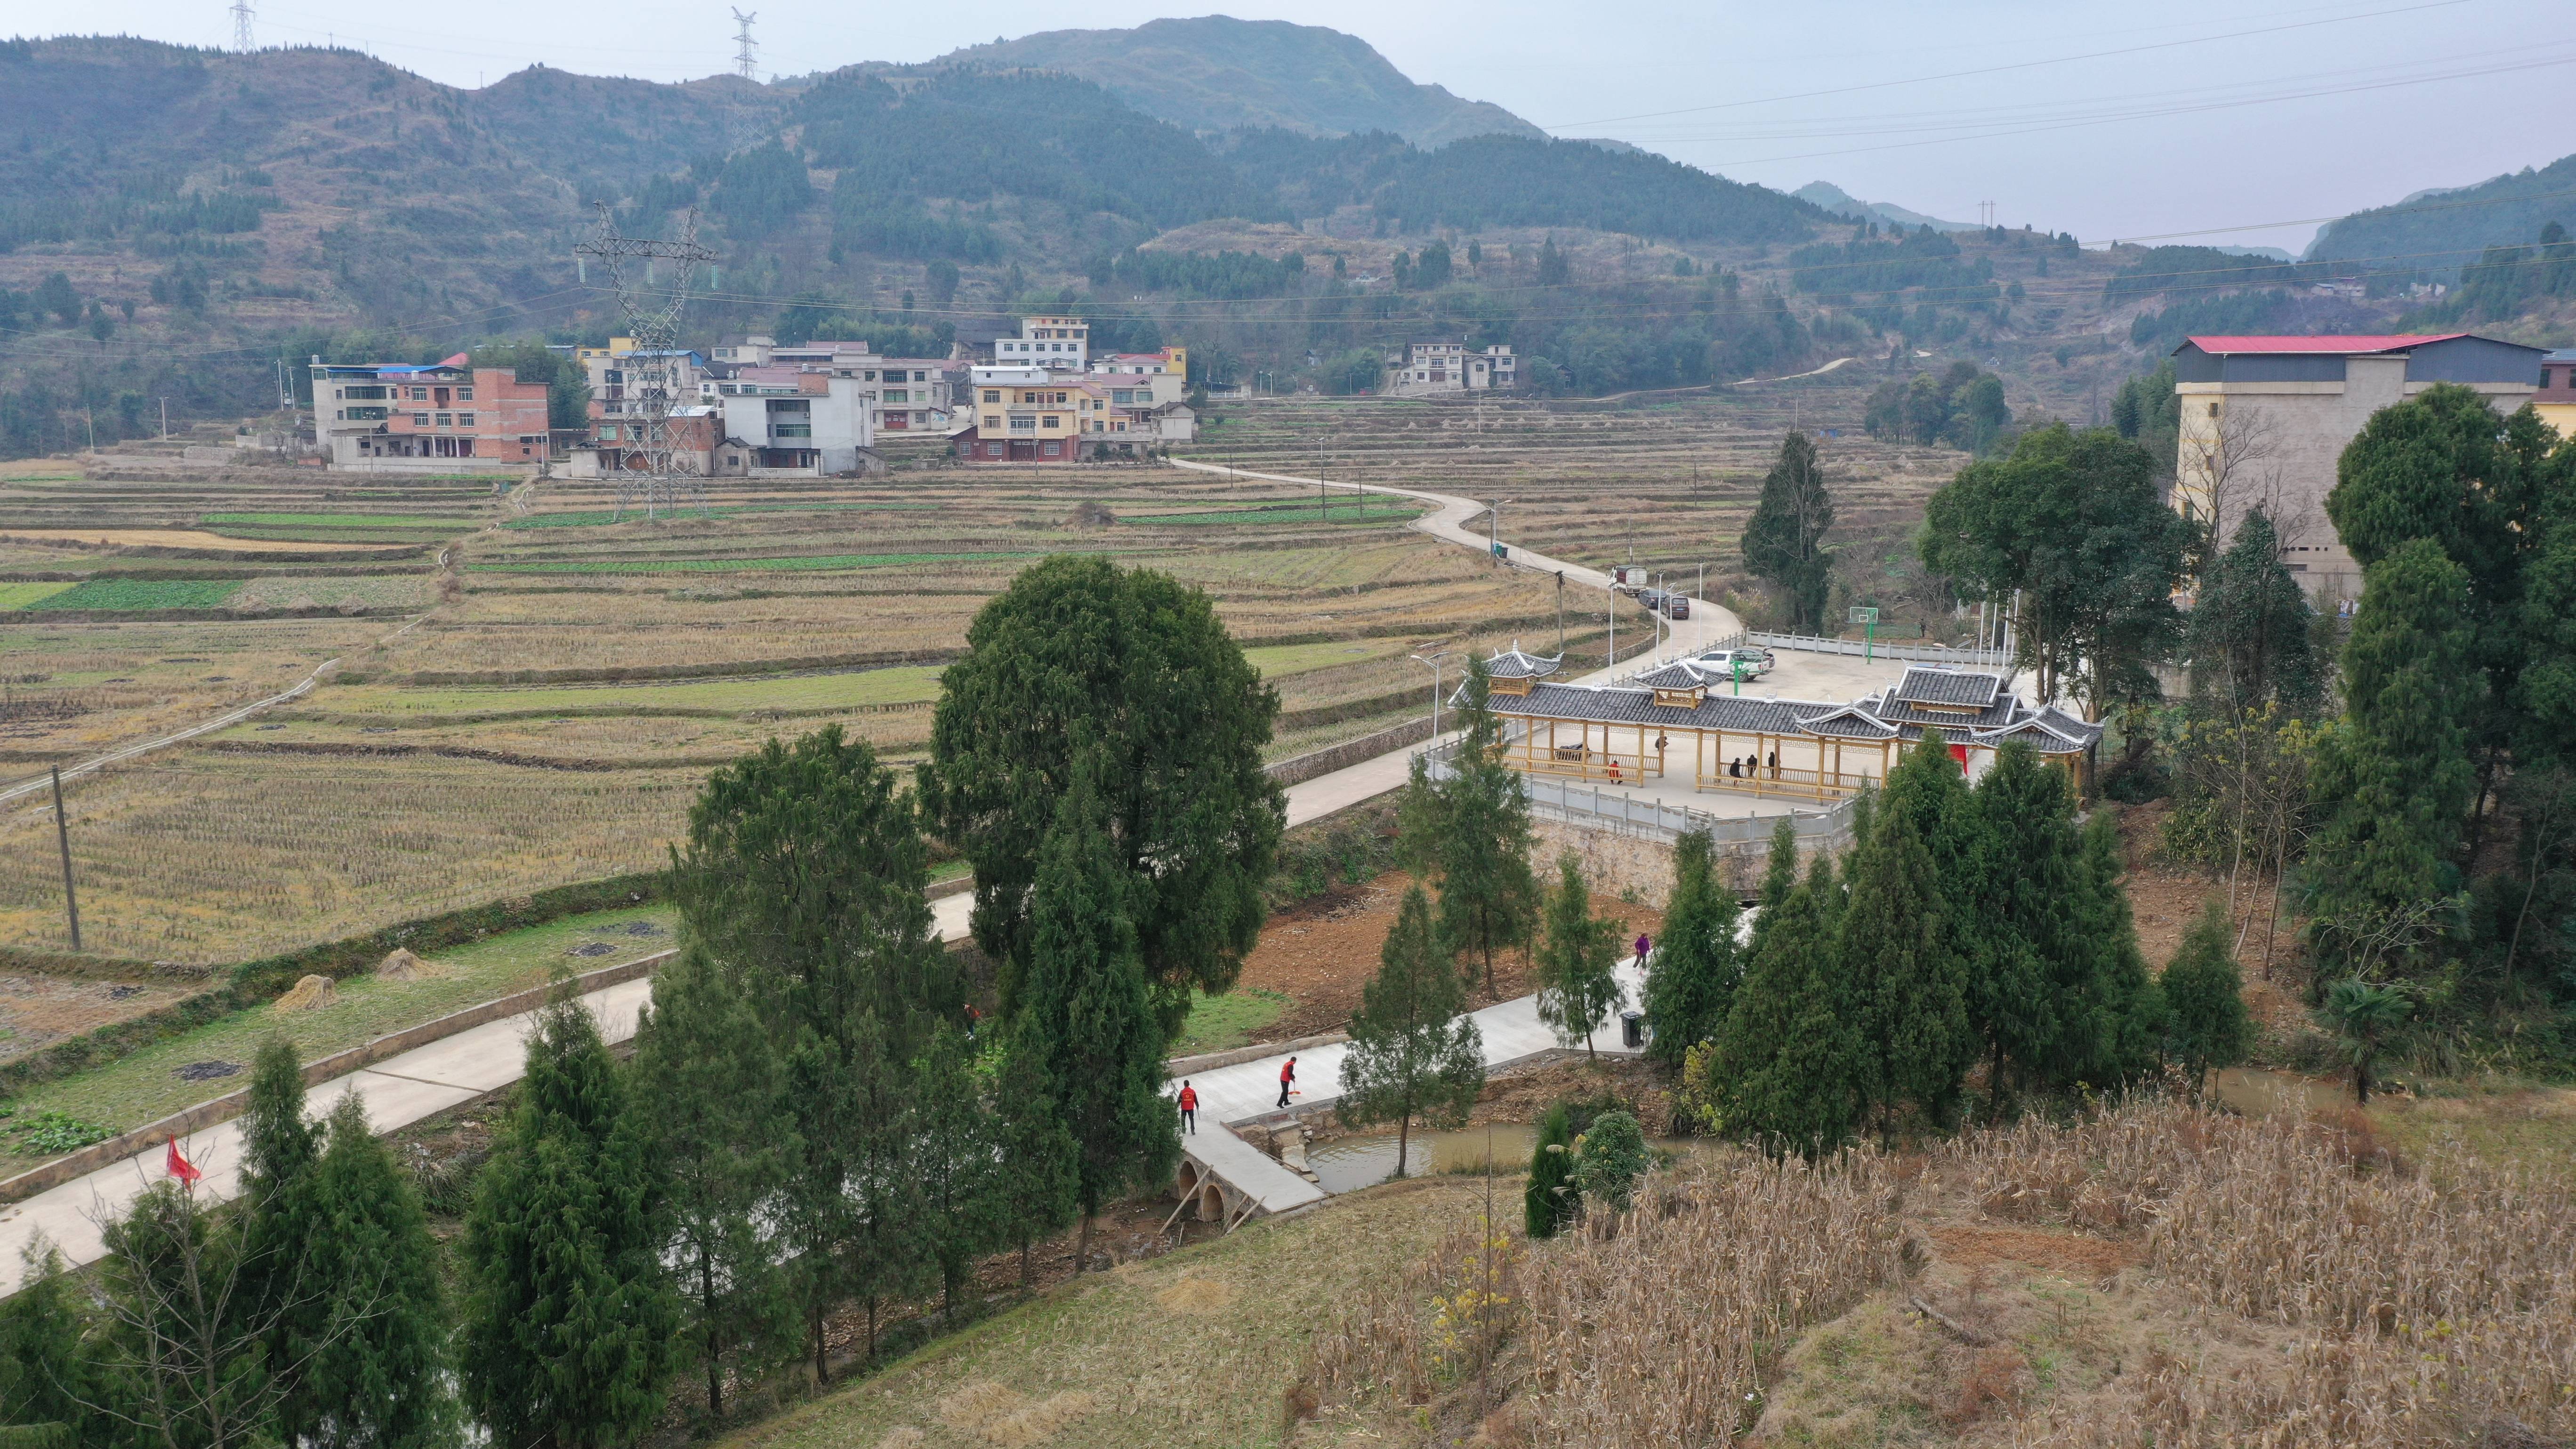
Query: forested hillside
[2438, 232]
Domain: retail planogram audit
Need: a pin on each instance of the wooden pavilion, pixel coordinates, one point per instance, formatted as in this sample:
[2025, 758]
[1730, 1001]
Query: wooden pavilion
[1693, 711]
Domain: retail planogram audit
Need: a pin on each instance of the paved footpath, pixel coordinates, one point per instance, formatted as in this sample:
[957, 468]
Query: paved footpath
[420, 1083]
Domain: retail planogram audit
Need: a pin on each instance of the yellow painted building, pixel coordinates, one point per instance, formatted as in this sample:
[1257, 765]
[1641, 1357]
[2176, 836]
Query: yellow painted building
[2556, 400]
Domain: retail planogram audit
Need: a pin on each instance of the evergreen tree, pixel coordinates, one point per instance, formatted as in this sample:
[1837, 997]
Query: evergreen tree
[965, 1179]
[1784, 540]
[1140, 666]
[186, 1340]
[1788, 1058]
[1085, 993]
[2204, 998]
[2027, 911]
[1412, 1049]
[49, 1370]
[1779, 878]
[2398, 770]
[1576, 987]
[1692, 979]
[2364, 1016]
[2110, 977]
[278, 1220]
[568, 1324]
[2249, 629]
[1613, 1157]
[722, 1136]
[1906, 984]
[1552, 1195]
[379, 1379]
[1488, 895]
[1037, 1149]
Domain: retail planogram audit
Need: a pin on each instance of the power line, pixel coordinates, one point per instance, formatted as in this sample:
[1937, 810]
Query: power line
[744, 61]
[2000, 69]
[242, 14]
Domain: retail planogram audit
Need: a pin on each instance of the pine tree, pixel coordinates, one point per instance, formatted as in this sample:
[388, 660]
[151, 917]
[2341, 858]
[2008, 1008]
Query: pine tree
[2028, 907]
[2128, 1011]
[1085, 992]
[568, 1323]
[1412, 1050]
[722, 1136]
[278, 1220]
[1488, 895]
[1691, 982]
[1779, 878]
[1784, 540]
[2204, 998]
[380, 1379]
[2249, 629]
[1787, 1059]
[1552, 1195]
[965, 1179]
[1576, 959]
[1901, 975]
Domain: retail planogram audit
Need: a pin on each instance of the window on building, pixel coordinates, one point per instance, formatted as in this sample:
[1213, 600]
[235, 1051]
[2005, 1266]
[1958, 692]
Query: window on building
[920, 375]
[465, 394]
[992, 395]
[2213, 410]
[1054, 420]
[608, 433]
[465, 420]
[1024, 424]
[447, 420]
[992, 422]
[420, 420]
[868, 376]
[420, 394]
[1055, 450]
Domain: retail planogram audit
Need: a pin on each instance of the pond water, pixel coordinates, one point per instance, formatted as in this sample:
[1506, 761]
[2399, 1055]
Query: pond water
[1347, 1164]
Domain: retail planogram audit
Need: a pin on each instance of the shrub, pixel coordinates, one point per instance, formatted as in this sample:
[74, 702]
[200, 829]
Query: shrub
[1553, 1195]
[1611, 1159]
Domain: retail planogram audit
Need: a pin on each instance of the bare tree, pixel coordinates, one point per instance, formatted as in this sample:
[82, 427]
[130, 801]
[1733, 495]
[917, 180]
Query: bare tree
[2228, 464]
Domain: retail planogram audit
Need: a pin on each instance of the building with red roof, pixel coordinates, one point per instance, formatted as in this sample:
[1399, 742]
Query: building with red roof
[2264, 420]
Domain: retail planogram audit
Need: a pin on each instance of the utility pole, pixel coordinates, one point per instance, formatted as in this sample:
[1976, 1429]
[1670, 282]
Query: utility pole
[1560, 614]
[63, 838]
[165, 420]
[1434, 661]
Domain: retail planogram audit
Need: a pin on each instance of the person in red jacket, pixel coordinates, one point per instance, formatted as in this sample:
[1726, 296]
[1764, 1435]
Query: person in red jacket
[1189, 1106]
[1287, 1081]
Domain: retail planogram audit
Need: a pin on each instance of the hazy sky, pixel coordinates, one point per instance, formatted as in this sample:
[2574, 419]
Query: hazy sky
[2132, 121]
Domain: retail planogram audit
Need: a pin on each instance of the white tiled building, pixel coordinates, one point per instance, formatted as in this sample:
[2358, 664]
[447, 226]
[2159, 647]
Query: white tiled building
[1058, 344]
[1442, 367]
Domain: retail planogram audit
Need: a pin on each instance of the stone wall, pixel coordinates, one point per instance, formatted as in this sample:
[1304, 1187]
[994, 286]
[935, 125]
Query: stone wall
[1616, 863]
[1298, 769]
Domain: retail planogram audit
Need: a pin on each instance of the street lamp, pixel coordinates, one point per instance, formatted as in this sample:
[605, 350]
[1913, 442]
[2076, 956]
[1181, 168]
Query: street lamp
[1434, 661]
[1494, 526]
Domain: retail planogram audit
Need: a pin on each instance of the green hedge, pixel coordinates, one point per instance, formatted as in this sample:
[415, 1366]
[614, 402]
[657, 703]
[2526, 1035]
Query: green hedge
[255, 982]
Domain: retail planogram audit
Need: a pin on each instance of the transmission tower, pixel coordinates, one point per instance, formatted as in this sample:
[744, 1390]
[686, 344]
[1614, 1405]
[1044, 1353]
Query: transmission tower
[242, 14]
[652, 370]
[743, 60]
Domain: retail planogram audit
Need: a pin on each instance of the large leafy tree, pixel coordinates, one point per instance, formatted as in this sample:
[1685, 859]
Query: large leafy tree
[569, 1323]
[1577, 956]
[1691, 982]
[1084, 994]
[2071, 521]
[1140, 666]
[721, 1134]
[1471, 833]
[1784, 541]
[2398, 771]
[1412, 1052]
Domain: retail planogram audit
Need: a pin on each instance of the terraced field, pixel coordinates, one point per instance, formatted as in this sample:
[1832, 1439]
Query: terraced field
[529, 689]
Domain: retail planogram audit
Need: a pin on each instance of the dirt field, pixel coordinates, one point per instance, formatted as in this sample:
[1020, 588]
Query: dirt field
[37, 1011]
[172, 538]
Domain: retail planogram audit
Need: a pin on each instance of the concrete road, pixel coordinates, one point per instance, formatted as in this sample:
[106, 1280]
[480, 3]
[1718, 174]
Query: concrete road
[397, 1091]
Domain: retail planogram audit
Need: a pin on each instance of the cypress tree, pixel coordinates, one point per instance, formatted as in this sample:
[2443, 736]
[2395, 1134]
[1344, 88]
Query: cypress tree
[1692, 979]
[1552, 1195]
[2204, 998]
[2028, 907]
[722, 1136]
[1901, 975]
[1037, 1149]
[2128, 1011]
[965, 1179]
[568, 1323]
[1612, 1159]
[1488, 894]
[2249, 629]
[1779, 878]
[1783, 541]
[278, 1221]
[2398, 770]
[1788, 1058]
[380, 1379]
[1576, 989]
[1412, 1050]
[49, 1371]
[1085, 995]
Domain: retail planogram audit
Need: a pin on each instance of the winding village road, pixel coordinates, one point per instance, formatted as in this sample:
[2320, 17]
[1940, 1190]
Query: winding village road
[434, 1078]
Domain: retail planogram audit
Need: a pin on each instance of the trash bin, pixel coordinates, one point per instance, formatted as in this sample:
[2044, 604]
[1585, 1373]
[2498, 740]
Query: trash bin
[1632, 1028]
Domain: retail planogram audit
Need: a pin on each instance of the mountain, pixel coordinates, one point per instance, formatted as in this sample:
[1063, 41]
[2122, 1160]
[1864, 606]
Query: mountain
[1833, 198]
[1217, 73]
[2438, 231]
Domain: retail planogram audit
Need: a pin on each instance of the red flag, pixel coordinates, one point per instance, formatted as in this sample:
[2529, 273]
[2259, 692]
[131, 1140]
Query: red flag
[181, 1168]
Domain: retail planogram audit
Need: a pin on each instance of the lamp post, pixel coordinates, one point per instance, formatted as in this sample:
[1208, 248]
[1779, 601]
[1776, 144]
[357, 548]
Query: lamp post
[1434, 661]
[1494, 527]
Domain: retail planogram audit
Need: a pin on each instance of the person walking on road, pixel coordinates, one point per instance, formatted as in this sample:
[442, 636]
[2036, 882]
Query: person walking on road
[1189, 1106]
[1643, 946]
[1287, 1081]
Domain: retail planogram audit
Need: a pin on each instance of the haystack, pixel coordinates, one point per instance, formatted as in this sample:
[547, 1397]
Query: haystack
[310, 994]
[402, 965]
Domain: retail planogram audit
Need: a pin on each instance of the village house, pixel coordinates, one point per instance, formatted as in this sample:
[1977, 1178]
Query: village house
[438, 417]
[1058, 344]
[1427, 368]
[904, 394]
[1031, 415]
